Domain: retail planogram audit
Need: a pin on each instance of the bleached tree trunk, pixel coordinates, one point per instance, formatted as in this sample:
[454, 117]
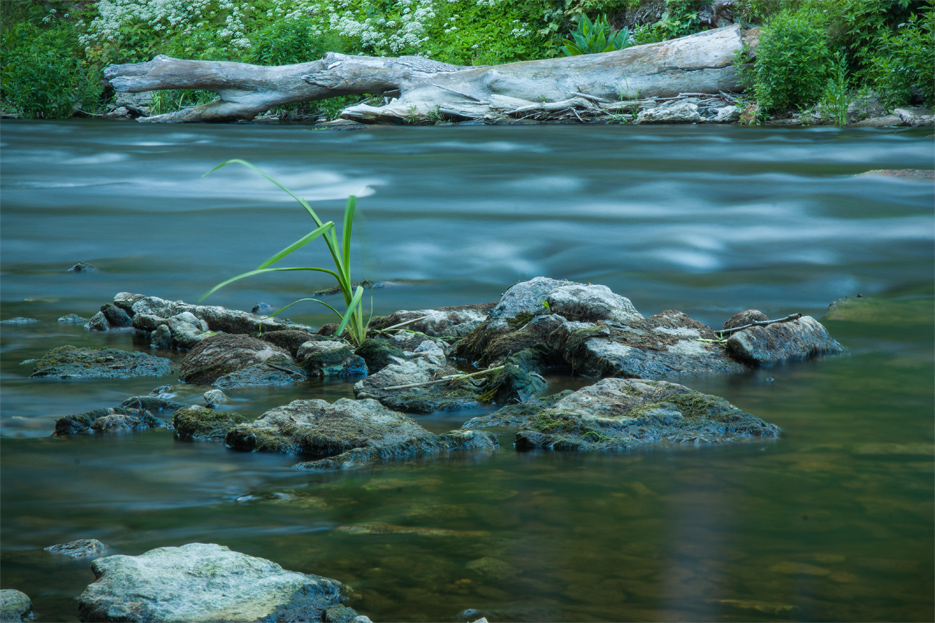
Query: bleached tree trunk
[419, 89]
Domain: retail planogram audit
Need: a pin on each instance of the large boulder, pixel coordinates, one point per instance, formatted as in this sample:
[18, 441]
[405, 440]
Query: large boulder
[201, 583]
[346, 433]
[72, 362]
[617, 414]
[222, 355]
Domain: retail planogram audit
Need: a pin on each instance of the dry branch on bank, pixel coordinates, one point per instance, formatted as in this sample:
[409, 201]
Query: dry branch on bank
[416, 89]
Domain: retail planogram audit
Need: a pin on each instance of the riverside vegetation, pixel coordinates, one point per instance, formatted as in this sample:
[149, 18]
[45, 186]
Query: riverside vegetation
[811, 52]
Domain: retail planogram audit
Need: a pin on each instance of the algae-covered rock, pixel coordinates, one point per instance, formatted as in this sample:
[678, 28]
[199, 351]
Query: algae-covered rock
[110, 419]
[81, 548]
[616, 414]
[201, 583]
[782, 341]
[515, 415]
[14, 606]
[378, 353]
[72, 362]
[290, 339]
[330, 358]
[203, 423]
[277, 371]
[220, 355]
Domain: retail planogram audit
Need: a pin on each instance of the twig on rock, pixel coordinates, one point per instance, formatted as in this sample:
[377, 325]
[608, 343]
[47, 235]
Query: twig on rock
[757, 323]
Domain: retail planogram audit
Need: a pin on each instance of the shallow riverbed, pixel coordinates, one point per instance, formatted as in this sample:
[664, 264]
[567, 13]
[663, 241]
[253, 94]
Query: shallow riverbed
[834, 521]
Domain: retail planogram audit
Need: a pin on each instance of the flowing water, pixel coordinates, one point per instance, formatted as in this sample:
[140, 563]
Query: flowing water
[834, 521]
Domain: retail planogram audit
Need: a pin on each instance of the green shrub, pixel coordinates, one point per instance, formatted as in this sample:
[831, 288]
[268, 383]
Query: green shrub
[595, 37]
[44, 74]
[837, 92]
[903, 62]
[286, 42]
[792, 67]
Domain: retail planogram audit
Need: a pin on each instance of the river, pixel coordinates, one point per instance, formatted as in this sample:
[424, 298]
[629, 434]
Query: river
[834, 521]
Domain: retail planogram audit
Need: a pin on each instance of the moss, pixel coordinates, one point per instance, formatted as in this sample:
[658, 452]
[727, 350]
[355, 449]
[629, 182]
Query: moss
[520, 320]
[378, 354]
[698, 405]
[511, 384]
[202, 423]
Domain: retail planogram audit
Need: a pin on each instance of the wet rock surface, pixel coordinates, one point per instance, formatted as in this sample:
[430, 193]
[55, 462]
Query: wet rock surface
[346, 433]
[14, 606]
[455, 321]
[780, 342]
[71, 362]
[617, 414]
[134, 413]
[330, 358]
[202, 582]
[222, 355]
[204, 424]
[81, 548]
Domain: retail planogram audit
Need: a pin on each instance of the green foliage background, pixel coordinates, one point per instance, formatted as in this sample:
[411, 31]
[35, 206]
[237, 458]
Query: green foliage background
[53, 51]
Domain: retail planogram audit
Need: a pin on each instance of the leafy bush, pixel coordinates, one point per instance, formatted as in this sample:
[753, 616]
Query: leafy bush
[837, 93]
[792, 66]
[44, 75]
[902, 63]
[595, 37]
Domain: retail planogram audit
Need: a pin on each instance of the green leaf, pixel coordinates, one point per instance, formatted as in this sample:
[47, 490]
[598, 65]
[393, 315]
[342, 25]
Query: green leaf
[349, 210]
[298, 244]
[351, 309]
[260, 272]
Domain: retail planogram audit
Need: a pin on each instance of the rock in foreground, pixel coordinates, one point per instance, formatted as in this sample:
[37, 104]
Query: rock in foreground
[202, 582]
[71, 362]
[617, 414]
[14, 606]
[347, 433]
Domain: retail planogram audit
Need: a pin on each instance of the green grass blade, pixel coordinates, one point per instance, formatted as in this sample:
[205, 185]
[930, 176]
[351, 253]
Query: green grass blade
[298, 244]
[349, 211]
[260, 272]
[351, 309]
[279, 311]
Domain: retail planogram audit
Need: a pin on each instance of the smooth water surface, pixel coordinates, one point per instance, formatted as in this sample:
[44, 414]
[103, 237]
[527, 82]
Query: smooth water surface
[834, 521]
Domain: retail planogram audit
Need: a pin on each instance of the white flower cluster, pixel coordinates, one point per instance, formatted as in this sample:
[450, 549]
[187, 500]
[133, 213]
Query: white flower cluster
[522, 30]
[169, 16]
[487, 3]
[406, 34]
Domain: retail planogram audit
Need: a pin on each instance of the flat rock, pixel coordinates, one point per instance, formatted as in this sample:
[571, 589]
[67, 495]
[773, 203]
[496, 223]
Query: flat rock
[201, 583]
[202, 423]
[908, 174]
[107, 420]
[81, 548]
[275, 372]
[14, 606]
[617, 414]
[222, 355]
[347, 433]
[217, 318]
[455, 321]
[71, 362]
[780, 342]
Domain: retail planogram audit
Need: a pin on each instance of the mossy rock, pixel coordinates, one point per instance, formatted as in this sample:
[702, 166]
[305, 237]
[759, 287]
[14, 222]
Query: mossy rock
[378, 354]
[71, 362]
[202, 423]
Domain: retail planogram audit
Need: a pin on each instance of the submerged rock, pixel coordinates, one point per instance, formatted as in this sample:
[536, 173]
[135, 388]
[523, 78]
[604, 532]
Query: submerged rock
[203, 423]
[14, 606]
[346, 433]
[71, 362]
[109, 419]
[19, 320]
[222, 355]
[617, 414]
[203, 582]
[82, 548]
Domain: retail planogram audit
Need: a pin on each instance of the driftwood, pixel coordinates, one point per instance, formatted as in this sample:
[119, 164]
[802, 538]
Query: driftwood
[416, 89]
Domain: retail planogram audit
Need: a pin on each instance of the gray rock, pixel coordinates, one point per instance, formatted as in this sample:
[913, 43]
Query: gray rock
[445, 321]
[82, 267]
[72, 319]
[679, 111]
[19, 320]
[214, 397]
[82, 548]
[327, 359]
[221, 355]
[908, 174]
[864, 107]
[217, 318]
[786, 341]
[915, 116]
[154, 403]
[203, 582]
[885, 121]
[727, 114]
[291, 339]
[70, 362]
[186, 336]
[110, 419]
[161, 338]
[347, 434]
[262, 309]
[14, 606]
[379, 353]
[187, 318]
[513, 416]
[115, 316]
[205, 424]
[590, 303]
[275, 372]
[617, 414]
[98, 322]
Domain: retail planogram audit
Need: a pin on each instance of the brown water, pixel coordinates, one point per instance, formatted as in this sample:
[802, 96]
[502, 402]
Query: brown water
[834, 521]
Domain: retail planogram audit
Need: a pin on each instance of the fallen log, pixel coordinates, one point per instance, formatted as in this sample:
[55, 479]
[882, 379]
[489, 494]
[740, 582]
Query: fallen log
[416, 89]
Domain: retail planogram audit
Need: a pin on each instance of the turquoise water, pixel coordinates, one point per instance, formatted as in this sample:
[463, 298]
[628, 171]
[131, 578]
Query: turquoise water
[834, 521]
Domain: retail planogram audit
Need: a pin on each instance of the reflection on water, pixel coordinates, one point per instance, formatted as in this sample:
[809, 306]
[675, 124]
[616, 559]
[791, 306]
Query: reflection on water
[833, 521]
